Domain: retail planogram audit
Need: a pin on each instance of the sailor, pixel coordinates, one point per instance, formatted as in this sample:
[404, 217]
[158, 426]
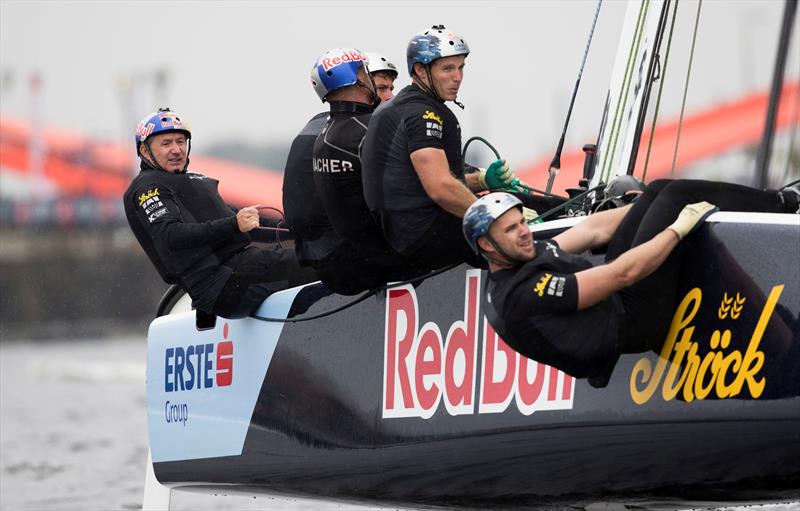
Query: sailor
[557, 308]
[193, 238]
[316, 242]
[414, 179]
[341, 78]
[383, 74]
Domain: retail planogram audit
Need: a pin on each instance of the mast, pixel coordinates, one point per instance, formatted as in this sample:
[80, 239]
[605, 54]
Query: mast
[765, 149]
[631, 81]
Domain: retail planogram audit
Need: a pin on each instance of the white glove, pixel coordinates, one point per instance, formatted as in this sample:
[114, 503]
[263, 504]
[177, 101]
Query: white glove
[529, 214]
[691, 217]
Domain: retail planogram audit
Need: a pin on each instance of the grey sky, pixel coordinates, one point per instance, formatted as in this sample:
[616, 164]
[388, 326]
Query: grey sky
[239, 70]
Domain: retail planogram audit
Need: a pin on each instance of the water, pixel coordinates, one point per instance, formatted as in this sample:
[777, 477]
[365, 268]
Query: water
[73, 433]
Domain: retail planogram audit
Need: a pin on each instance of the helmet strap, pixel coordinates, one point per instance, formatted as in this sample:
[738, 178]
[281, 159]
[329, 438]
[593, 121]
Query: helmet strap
[509, 261]
[431, 87]
[154, 161]
[374, 95]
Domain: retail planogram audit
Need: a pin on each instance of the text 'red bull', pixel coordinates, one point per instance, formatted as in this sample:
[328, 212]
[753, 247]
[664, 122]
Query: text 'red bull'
[422, 368]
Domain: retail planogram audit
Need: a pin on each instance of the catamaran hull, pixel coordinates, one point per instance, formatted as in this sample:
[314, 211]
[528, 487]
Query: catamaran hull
[411, 397]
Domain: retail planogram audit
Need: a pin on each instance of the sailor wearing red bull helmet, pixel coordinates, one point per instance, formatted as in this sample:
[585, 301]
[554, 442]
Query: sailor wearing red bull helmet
[314, 236]
[193, 238]
[364, 259]
[413, 173]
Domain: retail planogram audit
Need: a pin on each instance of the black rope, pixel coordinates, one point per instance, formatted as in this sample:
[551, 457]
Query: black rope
[357, 300]
[527, 189]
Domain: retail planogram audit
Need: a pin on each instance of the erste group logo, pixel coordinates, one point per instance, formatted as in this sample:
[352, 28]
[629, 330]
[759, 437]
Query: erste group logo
[199, 366]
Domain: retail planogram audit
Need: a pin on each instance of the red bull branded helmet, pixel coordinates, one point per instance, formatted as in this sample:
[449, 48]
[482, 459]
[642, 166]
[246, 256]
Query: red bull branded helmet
[483, 212]
[432, 44]
[336, 68]
[161, 121]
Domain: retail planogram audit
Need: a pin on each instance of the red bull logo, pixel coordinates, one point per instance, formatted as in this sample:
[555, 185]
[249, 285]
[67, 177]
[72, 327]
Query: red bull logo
[424, 368]
[143, 131]
[345, 56]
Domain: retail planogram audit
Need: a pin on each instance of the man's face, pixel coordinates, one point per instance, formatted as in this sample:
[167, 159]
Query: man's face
[447, 74]
[512, 234]
[384, 85]
[169, 150]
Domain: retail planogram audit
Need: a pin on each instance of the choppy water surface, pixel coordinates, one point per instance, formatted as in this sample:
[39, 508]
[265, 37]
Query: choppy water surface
[73, 433]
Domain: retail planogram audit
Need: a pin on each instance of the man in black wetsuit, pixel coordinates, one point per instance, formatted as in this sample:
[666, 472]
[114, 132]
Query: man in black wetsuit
[337, 164]
[191, 235]
[413, 174]
[339, 265]
[556, 307]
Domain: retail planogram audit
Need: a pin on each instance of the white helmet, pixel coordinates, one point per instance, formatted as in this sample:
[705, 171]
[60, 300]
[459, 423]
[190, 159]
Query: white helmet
[378, 62]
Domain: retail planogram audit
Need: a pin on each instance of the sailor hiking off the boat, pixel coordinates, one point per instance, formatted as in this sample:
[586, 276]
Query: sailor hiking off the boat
[553, 305]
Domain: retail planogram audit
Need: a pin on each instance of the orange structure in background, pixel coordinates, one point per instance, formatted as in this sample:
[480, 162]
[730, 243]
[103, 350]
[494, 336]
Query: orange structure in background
[79, 166]
[704, 134]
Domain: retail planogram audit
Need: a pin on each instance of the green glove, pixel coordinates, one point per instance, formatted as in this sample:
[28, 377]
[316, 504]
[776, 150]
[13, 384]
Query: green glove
[498, 176]
[691, 217]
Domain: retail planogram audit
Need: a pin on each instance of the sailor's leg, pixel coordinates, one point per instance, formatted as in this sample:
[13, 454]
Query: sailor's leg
[625, 233]
[257, 274]
[726, 196]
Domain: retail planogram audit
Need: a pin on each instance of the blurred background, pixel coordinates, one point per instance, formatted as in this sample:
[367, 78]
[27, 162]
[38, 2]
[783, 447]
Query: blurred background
[78, 75]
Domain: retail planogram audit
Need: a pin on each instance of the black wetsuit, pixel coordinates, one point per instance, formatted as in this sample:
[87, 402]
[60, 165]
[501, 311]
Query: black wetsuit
[534, 308]
[192, 238]
[412, 222]
[314, 236]
[337, 176]
[336, 262]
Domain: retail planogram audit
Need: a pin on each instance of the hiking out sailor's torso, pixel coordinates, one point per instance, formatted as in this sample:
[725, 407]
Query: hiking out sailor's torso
[535, 309]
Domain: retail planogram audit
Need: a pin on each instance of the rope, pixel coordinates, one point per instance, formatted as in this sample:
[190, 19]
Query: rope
[686, 88]
[660, 90]
[617, 120]
[357, 300]
[555, 163]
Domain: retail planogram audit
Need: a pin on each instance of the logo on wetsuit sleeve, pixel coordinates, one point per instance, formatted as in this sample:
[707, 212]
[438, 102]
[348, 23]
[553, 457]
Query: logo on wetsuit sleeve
[433, 124]
[152, 205]
[542, 284]
[556, 287]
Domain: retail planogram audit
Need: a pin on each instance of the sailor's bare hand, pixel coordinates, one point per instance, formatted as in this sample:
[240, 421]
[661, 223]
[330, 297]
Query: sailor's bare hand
[247, 218]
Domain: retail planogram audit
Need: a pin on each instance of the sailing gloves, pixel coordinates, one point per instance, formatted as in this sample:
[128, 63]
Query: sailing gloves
[691, 217]
[498, 176]
[530, 215]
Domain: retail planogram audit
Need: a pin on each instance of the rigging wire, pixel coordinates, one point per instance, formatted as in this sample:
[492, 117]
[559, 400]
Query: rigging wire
[686, 88]
[660, 90]
[357, 300]
[555, 164]
[616, 122]
[517, 183]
